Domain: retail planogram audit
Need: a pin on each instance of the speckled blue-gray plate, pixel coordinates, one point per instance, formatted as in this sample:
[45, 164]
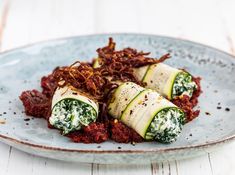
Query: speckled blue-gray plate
[22, 68]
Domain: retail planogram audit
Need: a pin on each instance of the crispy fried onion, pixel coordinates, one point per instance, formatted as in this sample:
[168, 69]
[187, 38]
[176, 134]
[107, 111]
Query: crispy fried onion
[83, 77]
[119, 64]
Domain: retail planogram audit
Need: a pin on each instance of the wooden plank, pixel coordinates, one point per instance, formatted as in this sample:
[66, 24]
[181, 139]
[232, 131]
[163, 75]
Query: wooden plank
[49, 166]
[16, 31]
[194, 166]
[164, 168]
[4, 9]
[227, 14]
[198, 21]
[121, 169]
[5, 152]
[18, 162]
[33, 21]
[222, 161]
[116, 16]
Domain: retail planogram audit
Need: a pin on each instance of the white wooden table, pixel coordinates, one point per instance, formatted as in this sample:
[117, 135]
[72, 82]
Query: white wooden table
[211, 22]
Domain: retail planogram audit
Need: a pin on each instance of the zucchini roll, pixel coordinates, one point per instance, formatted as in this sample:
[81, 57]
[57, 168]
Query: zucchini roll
[148, 113]
[71, 110]
[168, 81]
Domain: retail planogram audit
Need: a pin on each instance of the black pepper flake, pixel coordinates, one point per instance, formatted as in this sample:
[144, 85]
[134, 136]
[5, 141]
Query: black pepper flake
[98, 146]
[131, 112]
[27, 123]
[14, 113]
[219, 107]
[9, 102]
[4, 113]
[191, 135]
[119, 147]
[26, 119]
[126, 99]
[75, 93]
[218, 103]
[207, 113]
[227, 109]
[151, 81]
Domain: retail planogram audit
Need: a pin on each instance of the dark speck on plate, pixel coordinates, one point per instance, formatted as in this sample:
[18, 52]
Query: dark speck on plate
[4, 113]
[133, 143]
[207, 113]
[190, 134]
[227, 109]
[98, 146]
[26, 119]
[119, 147]
[27, 123]
[219, 107]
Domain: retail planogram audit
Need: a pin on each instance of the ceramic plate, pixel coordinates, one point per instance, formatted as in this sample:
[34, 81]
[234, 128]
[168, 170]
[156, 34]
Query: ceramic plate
[22, 68]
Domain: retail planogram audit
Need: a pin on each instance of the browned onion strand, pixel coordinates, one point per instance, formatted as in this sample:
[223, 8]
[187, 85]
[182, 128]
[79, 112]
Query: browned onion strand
[82, 77]
[119, 64]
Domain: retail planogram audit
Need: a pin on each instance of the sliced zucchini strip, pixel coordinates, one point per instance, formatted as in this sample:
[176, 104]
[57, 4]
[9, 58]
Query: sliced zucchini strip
[143, 109]
[122, 97]
[168, 81]
[71, 110]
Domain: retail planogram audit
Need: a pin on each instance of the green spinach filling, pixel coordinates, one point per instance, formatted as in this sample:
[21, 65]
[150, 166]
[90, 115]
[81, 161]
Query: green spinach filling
[183, 85]
[71, 114]
[166, 125]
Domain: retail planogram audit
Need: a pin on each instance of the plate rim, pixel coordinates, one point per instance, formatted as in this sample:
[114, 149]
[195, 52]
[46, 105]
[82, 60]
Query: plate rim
[161, 150]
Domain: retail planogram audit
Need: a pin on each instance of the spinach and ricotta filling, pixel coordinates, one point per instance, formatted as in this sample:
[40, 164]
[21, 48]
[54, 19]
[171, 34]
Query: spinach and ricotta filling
[183, 85]
[71, 114]
[166, 125]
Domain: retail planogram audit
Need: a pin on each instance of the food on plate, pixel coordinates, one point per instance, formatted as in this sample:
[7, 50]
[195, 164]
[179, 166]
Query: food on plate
[168, 81]
[147, 112]
[125, 96]
[71, 110]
